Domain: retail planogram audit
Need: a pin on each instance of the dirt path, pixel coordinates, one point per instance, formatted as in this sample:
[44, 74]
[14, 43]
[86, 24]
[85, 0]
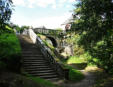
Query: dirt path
[88, 81]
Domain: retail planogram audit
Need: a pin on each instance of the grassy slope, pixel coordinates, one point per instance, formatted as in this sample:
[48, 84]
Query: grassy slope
[10, 51]
[9, 45]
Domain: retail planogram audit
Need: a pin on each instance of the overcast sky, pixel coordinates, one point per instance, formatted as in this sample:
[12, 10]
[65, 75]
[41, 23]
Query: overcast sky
[36, 13]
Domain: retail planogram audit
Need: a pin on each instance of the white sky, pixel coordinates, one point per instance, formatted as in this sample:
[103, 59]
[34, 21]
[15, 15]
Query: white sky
[48, 13]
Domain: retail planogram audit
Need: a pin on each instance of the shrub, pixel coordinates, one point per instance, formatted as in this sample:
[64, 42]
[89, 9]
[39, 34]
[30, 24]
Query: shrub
[74, 75]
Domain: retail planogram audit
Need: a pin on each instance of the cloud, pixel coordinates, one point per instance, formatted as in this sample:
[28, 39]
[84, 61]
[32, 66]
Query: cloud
[72, 1]
[19, 2]
[62, 1]
[42, 3]
[54, 6]
[45, 3]
[49, 22]
[32, 3]
[68, 6]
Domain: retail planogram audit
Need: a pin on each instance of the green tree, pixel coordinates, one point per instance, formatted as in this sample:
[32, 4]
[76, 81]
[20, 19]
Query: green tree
[5, 12]
[93, 19]
[23, 28]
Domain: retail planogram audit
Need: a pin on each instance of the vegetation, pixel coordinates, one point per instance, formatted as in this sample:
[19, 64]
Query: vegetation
[92, 40]
[74, 75]
[75, 60]
[18, 28]
[10, 52]
[93, 22]
[5, 12]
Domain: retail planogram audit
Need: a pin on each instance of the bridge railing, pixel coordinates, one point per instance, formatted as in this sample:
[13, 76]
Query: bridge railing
[46, 52]
[47, 31]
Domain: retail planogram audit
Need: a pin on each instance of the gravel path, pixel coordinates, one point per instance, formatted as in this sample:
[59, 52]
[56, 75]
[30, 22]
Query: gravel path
[88, 81]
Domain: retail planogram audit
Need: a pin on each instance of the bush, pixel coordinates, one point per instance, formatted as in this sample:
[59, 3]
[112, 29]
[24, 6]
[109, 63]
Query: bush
[74, 75]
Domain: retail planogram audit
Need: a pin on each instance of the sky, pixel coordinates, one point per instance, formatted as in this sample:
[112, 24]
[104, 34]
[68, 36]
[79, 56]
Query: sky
[37, 13]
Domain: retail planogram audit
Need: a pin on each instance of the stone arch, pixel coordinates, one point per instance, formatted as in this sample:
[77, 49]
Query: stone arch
[54, 42]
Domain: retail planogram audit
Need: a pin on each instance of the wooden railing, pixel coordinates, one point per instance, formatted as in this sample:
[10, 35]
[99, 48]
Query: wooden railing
[46, 52]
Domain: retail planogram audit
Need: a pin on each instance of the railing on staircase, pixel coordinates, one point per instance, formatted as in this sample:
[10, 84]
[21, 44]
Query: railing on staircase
[46, 52]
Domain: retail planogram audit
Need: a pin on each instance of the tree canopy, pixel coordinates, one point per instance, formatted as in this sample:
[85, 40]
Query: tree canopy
[5, 12]
[93, 20]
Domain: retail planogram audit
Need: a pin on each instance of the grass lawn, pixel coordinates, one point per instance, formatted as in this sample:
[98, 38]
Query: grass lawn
[75, 59]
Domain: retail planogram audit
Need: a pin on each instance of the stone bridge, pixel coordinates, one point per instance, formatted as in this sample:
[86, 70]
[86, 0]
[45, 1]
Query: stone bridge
[55, 36]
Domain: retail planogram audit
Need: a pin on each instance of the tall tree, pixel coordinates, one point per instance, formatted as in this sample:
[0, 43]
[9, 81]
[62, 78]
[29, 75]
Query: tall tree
[93, 19]
[5, 12]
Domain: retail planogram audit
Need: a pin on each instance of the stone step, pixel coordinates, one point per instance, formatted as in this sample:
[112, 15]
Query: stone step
[25, 66]
[37, 71]
[38, 55]
[32, 69]
[32, 52]
[49, 76]
[44, 73]
[34, 62]
[28, 46]
[33, 58]
[41, 71]
[53, 79]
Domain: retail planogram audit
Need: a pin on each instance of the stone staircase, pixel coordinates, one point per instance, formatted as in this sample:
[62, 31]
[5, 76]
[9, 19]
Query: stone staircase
[33, 61]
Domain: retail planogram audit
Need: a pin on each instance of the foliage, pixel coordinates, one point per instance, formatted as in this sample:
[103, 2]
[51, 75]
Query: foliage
[7, 29]
[10, 52]
[14, 26]
[73, 39]
[23, 28]
[5, 12]
[76, 59]
[50, 47]
[18, 28]
[93, 21]
[46, 42]
[74, 75]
